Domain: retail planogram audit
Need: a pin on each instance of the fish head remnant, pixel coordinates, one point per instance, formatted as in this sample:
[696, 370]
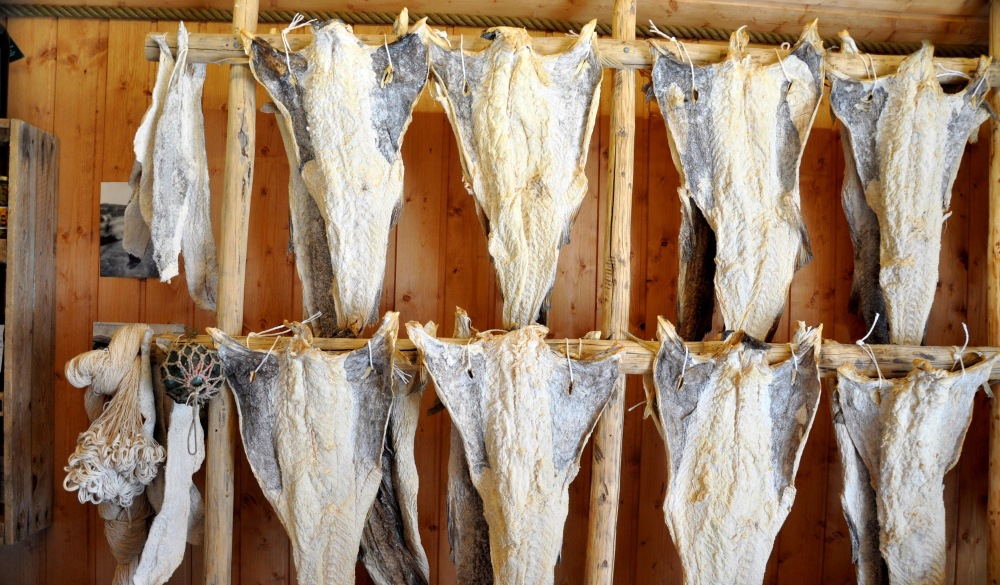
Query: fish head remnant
[737, 130]
[346, 107]
[523, 433]
[337, 405]
[523, 123]
[734, 428]
[904, 139]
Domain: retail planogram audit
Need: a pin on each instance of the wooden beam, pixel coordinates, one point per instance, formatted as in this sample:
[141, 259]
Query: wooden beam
[236, 190]
[605, 483]
[993, 316]
[895, 361]
[223, 49]
[941, 21]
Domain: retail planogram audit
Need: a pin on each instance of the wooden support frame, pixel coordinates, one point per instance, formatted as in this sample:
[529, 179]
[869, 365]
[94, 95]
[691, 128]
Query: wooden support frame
[993, 316]
[237, 185]
[624, 55]
[618, 54]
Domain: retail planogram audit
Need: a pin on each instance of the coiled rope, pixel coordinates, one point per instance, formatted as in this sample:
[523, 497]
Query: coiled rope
[469, 20]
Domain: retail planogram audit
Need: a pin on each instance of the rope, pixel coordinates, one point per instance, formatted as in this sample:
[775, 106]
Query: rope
[468, 20]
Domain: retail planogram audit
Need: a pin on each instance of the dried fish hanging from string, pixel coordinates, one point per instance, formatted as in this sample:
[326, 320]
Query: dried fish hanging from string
[908, 432]
[345, 108]
[737, 131]
[734, 428]
[524, 413]
[117, 457]
[903, 142]
[192, 376]
[171, 200]
[523, 124]
[339, 403]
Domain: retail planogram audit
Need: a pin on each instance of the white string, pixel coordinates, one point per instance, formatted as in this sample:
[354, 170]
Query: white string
[461, 52]
[637, 406]
[861, 343]
[680, 379]
[782, 63]
[682, 52]
[569, 364]
[958, 353]
[297, 22]
[951, 72]
[385, 43]
[253, 374]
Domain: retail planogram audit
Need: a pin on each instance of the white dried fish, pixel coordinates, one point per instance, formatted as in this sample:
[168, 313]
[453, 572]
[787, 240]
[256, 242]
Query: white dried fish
[314, 424]
[904, 139]
[524, 413]
[908, 432]
[734, 429]
[737, 131]
[346, 116]
[523, 124]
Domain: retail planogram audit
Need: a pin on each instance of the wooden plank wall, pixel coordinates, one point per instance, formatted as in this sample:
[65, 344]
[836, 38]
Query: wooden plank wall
[87, 81]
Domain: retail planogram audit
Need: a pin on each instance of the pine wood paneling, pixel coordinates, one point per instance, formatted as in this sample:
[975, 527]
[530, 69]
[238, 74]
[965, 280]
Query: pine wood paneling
[87, 80]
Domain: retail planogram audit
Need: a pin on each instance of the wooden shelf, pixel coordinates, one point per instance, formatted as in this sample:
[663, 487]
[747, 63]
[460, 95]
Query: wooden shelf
[29, 331]
[227, 49]
[895, 361]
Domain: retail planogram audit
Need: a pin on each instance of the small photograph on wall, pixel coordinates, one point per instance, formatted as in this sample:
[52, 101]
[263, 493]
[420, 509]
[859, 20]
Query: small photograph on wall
[115, 261]
[103, 330]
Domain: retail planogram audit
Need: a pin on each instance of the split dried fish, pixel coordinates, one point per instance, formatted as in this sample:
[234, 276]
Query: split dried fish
[734, 428]
[737, 130]
[346, 116]
[523, 123]
[524, 413]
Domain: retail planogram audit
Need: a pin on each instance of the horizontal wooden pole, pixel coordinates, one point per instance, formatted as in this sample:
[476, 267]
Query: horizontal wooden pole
[227, 49]
[895, 361]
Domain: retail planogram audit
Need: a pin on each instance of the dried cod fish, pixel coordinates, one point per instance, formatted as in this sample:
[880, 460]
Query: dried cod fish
[737, 131]
[734, 429]
[346, 106]
[909, 432]
[904, 142]
[524, 413]
[314, 424]
[523, 124]
[390, 545]
[468, 532]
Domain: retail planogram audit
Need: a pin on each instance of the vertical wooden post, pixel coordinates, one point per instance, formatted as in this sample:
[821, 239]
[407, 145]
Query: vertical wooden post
[237, 185]
[607, 440]
[993, 315]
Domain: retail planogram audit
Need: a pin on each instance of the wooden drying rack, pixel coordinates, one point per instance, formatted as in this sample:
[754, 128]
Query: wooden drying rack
[623, 54]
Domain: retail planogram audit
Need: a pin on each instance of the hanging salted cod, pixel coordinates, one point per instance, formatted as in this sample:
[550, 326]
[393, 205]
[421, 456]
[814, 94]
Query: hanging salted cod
[903, 141]
[909, 432]
[313, 425]
[345, 107]
[737, 130]
[171, 202]
[524, 413]
[734, 429]
[523, 123]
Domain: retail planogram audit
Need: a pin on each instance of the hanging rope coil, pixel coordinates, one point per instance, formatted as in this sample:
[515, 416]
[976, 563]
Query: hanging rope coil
[467, 20]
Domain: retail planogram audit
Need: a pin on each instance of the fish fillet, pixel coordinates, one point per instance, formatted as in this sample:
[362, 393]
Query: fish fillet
[523, 123]
[909, 433]
[181, 215]
[524, 413]
[346, 117]
[737, 130]
[468, 532]
[734, 429]
[904, 139]
[314, 425]
[390, 545]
